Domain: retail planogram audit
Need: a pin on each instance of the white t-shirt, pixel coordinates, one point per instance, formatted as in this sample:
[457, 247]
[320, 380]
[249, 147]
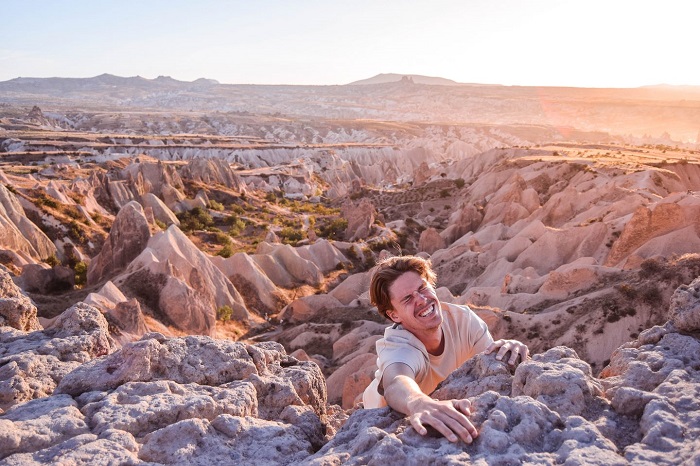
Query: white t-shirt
[465, 336]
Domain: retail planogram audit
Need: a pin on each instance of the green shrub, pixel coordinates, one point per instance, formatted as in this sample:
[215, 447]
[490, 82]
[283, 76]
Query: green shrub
[237, 225]
[226, 251]
[195, 219]
[80, 273]
[224, 313]
[43, 199]
[161, 225]
[222, 238]
[76, 232]
[214, 205]
[335, 229]
[290, 235]
[52, 260]
[459, 182]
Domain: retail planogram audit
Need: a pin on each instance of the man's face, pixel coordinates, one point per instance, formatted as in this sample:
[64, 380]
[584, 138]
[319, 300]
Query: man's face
[415, 305]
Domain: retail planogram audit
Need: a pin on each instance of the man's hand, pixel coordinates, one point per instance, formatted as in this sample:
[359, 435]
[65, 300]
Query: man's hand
[504, 346]
[447, 417]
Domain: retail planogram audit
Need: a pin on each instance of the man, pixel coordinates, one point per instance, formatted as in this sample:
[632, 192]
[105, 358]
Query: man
[428, 340]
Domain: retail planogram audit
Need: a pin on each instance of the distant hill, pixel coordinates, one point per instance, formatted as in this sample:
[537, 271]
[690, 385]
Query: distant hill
[384, 78]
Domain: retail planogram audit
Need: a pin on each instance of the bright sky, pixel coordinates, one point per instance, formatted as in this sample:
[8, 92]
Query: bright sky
[582, 43]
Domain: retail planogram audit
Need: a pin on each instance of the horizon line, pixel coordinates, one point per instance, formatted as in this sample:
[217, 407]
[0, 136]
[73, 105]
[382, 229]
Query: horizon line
[452, 82]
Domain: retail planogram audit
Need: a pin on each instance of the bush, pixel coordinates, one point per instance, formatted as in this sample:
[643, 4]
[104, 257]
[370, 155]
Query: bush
[222, 238]
[649, 267]
[43, 199]
[214, 205]
[224, 313]
[52, 260]
[335, 229]
[290, 235]
[226, 251]
[459, 182]
[80, 273]
[76, 232]
[237, 225]
[195, 219]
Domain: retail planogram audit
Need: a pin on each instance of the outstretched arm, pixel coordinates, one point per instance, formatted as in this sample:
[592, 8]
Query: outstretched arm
[515, 347]
[449, 417]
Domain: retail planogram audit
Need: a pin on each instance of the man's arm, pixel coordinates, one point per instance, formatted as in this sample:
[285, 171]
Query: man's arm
[448, 417]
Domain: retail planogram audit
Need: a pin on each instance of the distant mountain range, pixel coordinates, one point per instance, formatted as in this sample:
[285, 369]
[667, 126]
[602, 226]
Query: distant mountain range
[642, 111]
[384, 78]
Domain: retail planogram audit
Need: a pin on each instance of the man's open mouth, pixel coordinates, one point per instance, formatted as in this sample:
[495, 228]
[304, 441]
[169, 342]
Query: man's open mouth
[428, 311]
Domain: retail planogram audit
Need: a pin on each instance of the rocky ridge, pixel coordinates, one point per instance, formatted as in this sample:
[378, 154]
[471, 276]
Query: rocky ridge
[197, 400]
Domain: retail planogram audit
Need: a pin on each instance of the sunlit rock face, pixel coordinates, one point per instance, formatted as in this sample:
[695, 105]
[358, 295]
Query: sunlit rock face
[180, 284]
[127, 239]
[19, 235]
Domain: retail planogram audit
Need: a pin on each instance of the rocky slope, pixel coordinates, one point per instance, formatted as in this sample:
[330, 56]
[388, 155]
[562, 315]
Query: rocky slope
[197, 400]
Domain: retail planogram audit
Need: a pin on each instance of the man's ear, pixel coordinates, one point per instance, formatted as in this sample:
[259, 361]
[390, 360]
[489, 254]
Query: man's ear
[393, 315]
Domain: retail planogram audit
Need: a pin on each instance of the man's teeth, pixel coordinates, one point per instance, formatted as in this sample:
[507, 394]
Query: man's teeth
[428, 311]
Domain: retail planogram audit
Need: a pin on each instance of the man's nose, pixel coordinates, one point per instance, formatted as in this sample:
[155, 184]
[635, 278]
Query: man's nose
[419, 294]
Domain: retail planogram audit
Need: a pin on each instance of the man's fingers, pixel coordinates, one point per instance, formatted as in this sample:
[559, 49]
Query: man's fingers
[464, 406]
[417, 425]
[450, 421]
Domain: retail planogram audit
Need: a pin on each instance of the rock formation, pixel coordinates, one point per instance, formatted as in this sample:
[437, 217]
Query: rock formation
[33, 363]
[257, 290]
[179, 284]
[18, 234]
[212, 171]
[161, 212]
[16, 309]
[360, 218]
[196, 399]
[127, 238]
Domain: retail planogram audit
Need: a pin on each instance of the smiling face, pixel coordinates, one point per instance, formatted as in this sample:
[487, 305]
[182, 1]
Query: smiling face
[415, 305]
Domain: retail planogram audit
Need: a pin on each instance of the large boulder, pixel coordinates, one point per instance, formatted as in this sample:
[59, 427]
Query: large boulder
[16, 309]
[430, 241]
[32, 364]
[127, 238]
[45, 280]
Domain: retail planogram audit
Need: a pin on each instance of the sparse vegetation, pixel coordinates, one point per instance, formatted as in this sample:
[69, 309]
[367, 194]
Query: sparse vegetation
[195, 219]
[80, 270]
[214, 205]
[224, 313]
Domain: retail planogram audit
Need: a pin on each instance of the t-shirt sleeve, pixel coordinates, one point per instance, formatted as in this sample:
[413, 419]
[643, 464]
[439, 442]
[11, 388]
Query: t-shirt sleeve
[480, 333]
[473, 332]
[390, 351]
